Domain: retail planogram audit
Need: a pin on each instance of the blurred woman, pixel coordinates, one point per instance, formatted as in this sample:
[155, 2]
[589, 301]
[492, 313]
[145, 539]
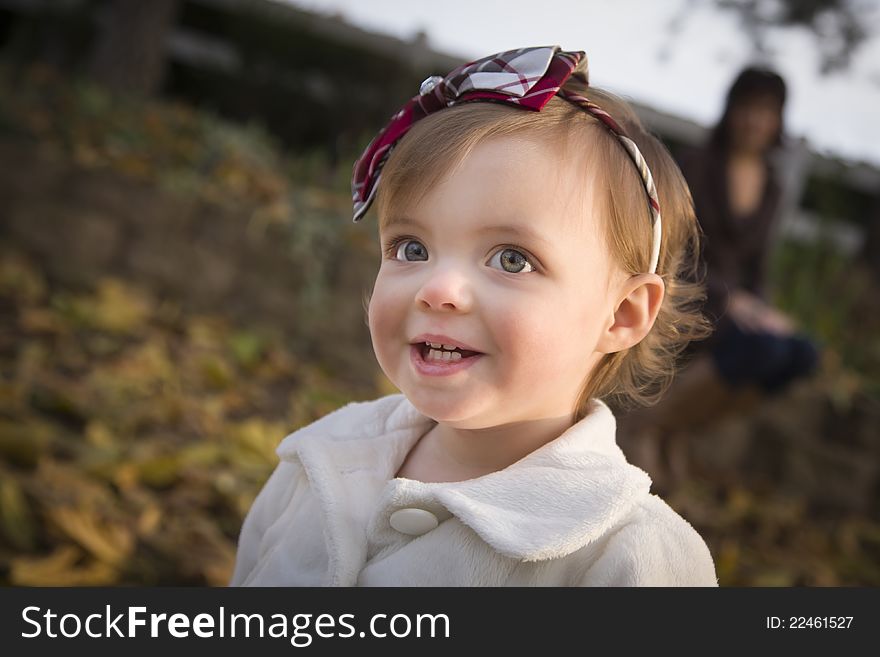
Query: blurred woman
[737, 198]
[755, 350]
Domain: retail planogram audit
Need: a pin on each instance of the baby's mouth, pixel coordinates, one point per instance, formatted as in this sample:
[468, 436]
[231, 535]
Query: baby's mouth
[434, 352]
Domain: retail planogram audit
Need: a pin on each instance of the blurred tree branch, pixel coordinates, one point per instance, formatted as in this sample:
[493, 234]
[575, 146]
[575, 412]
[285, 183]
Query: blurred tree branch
[839, 27]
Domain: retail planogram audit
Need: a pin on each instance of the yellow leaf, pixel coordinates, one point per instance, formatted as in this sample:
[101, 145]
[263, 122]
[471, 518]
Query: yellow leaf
[259, 437]
[59, 569]
[110, 543]
[215, 372]
[116, 307]
[206, 332]
[44, 571]
[201, 454]
[160, 471]
[149, 520]
[98, 434]
[126, 476]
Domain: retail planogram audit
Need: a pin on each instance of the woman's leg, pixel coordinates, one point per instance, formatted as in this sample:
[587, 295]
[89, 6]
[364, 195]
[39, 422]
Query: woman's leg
[656, 438]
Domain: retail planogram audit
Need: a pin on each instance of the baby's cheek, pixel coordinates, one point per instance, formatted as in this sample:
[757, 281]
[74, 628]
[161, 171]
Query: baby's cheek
[528, 337]
[384, 317]
[550, 341]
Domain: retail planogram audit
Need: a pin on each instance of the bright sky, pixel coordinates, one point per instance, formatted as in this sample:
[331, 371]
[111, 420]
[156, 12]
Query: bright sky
[624, 41]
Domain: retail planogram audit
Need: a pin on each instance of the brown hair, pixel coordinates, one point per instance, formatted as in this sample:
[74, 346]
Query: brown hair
[752, 82]
[437, 143]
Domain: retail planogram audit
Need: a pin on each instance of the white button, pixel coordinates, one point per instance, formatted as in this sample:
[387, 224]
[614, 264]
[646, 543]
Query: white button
[414, 522]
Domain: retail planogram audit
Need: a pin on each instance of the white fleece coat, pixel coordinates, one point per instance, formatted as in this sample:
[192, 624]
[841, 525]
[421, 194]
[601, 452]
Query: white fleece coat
[571, 513]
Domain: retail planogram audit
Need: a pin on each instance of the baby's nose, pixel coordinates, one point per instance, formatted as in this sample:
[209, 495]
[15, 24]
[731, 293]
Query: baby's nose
[447, 289]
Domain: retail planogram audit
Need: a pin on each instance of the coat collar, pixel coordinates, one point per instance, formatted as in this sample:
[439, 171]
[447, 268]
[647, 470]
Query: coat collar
[554, 501]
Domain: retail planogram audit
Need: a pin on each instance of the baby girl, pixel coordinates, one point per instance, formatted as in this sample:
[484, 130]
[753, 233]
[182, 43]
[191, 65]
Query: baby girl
[526, 278]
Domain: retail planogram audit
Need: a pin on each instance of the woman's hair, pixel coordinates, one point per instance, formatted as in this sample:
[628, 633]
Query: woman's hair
[437, 143]
[752, 82]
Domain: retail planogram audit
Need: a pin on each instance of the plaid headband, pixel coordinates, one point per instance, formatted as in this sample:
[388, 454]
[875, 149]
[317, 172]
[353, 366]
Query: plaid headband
[526, 78]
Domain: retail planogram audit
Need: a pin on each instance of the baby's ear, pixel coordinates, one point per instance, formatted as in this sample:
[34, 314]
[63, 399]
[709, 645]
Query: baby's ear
[638, 302]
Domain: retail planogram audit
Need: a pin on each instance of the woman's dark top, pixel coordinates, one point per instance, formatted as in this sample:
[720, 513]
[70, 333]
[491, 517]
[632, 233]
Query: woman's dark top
[735, 250]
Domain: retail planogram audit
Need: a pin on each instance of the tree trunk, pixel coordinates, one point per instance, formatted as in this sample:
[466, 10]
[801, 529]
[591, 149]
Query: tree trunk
[130, 54]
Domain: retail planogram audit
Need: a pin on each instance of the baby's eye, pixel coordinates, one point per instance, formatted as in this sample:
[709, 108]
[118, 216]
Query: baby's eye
[411, 250]
[511, 261]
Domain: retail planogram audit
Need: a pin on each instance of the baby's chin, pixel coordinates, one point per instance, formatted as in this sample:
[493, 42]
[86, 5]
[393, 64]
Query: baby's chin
[457, 411]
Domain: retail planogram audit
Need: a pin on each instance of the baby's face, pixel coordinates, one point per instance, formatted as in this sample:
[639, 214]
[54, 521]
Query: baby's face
[505, 258]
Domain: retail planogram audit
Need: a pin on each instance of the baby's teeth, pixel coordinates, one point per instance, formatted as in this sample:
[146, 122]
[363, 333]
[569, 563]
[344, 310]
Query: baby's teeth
[439, 354]
[436, 345]
[449, 346]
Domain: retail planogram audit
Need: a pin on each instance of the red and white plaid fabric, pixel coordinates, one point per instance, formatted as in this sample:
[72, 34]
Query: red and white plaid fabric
[527, 78]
